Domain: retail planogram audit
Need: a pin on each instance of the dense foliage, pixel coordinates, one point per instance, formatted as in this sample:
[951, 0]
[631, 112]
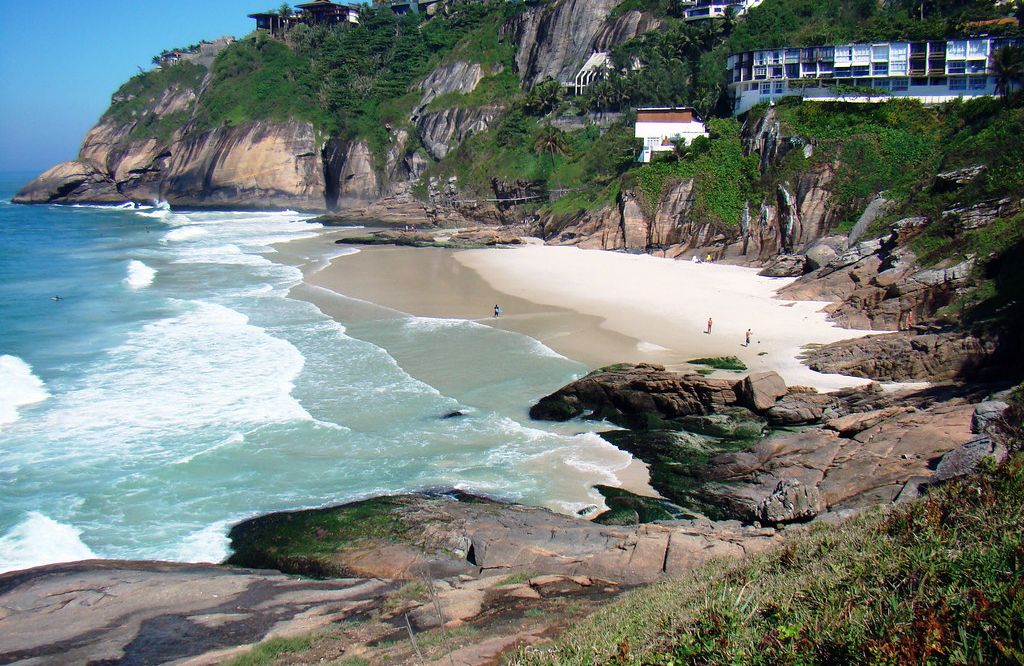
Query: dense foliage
[136, 102]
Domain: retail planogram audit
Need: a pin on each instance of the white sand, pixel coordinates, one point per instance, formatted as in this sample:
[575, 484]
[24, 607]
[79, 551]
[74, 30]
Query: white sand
[664, 304]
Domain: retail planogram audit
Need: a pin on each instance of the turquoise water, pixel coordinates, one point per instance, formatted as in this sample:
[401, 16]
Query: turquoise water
[175, 388]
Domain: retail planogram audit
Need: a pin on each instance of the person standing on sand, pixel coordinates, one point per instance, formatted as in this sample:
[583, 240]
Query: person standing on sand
[497, 311]
[709, 326]
[708, 259]
[748, 338]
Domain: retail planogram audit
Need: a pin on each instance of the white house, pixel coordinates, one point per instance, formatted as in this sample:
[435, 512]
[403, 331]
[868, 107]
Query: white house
[708, 9]
[933, 72]
[662, 127]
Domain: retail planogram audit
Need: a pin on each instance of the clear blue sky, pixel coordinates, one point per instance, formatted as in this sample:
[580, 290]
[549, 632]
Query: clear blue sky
[61, 61]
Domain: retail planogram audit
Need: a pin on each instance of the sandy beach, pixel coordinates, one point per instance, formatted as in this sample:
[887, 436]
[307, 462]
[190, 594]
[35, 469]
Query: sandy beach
[600, 307]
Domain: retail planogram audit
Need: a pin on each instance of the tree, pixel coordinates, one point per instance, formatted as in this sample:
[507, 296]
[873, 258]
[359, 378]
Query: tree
[1008, 69]
[550, 140]
[544, 97]
[285, 10]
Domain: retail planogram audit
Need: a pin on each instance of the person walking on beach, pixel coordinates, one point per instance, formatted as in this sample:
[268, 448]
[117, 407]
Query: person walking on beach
[497, 311]
[708, 332]
[748, 338]
[708, 258]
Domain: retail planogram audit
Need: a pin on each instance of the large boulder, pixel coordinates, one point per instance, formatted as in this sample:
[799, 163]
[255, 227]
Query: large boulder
[968, 458]
[760, 390]
[824, 250]
[790, 502]
[638, 396]
[801, 409]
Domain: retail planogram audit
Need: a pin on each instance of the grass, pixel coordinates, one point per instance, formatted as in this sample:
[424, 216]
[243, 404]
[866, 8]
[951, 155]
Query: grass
[270, 650]
[721, 363]
[938, 581]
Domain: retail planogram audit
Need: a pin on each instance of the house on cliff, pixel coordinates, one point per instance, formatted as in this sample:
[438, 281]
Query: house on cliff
[318, 12]
[932, 72]
[661, 128]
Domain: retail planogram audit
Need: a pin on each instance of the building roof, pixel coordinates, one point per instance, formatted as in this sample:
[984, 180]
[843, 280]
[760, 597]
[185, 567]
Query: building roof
[667, 114]
[322, 4]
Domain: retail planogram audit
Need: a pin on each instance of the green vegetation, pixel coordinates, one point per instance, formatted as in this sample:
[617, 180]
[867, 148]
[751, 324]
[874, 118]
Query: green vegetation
[721, 363]
[271, 650]
[306, 541]
[136, 100]
[626, 508]
[938, 581]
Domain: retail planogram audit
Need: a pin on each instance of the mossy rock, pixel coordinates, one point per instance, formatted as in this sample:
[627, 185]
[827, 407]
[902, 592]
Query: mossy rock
[626, 508]
[306, 542]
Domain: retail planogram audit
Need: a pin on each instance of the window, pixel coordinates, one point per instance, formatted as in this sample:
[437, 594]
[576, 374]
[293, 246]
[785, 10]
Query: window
[958, 83]
[879, 68]
[826, 53]
[881, 84]
[760, 72]
[792, 55]
[919, 81]
[899, 85]
[844, 54]
[824, 68]
[956, 49]
[937, 81]
[898, 67]
[977, 48]
[861, 53]
[860, 70]
[842, 71]
[978, 82]
[776, 72]
[780, 87]
[977, 66]
[759, 58]
[793, 70]
[956, 66]
[880, 52]
[766, 89]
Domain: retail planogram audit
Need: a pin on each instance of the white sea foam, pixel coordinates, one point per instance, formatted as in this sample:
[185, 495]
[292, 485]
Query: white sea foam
[139, 274]
[650, 347]
[18, 387]
[184, 233]
[206, 367]
[160, 210]
[210, 544]
[39, 540]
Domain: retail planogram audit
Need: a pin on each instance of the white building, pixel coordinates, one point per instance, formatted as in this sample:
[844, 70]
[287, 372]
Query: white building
[662, 127]
[933, 72]
[707, 9]
[595, 68]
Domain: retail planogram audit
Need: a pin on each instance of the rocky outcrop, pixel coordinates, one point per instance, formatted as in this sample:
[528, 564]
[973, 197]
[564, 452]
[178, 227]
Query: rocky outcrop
[553, 40]
[161, 612]
[70, 181]
[272, 164]
[441, 130]
[637, 394]
[458, 76]
[906, 356]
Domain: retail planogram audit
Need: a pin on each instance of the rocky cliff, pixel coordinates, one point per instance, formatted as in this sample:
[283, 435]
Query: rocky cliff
[554, 40]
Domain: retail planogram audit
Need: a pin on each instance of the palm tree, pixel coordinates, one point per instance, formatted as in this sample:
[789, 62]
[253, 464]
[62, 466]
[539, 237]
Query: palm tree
[1008, 69]
[551, 140]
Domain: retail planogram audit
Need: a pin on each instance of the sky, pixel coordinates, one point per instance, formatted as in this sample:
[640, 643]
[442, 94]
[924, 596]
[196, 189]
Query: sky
[60, 62]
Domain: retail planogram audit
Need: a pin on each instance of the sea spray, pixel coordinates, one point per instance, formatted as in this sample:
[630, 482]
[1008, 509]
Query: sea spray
[18, 387]
[39, 540]
[139, 275]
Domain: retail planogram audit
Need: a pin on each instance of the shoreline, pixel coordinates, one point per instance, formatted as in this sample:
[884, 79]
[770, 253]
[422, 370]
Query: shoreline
[598, 307]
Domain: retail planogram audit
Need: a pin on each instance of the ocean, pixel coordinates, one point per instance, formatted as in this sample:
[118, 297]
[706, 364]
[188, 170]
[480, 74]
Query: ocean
[177, 387]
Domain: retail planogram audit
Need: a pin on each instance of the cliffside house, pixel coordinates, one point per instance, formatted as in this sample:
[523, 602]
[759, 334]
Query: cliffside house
[662, 127]
[318, 12]
[933, 72]
[700, 10]
[326, 12]
[403, 7]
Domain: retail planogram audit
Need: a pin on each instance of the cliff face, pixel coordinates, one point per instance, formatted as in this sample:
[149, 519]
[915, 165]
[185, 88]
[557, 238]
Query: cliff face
[554, 40]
